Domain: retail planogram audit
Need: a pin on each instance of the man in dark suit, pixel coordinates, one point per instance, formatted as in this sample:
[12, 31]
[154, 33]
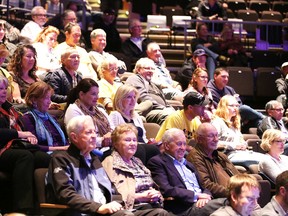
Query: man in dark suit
[279, 203]
[178, 180]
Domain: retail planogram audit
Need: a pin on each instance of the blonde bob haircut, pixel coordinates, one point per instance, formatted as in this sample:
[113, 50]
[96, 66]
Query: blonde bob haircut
[223, 112]
[122, 93]
[269, 136]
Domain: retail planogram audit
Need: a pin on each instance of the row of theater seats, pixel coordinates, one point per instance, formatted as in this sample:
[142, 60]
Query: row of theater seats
[151, 129]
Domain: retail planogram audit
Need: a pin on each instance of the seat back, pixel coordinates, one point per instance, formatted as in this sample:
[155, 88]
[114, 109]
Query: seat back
[265, 82]
[169, 12]
[151, 129]
[40, 186]
[236, 5]
[254, 143]
[259, 5]
[272, 15]
[248, 15]
[281, 6]
[156, 21]
[240, 75]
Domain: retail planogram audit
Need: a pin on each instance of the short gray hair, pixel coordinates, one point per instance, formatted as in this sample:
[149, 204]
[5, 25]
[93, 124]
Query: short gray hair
[169, 135]
[143, 62]
[76, 124]
[271, 104]
[97, 32]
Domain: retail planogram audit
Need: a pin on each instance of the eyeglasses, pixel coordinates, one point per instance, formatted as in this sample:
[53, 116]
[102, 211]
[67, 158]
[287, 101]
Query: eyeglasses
[148, 68]
[43, 15]
[203, 77]
[209, 136]
[113, 69]
[233, 105]
[278, 110]
[279, 141]
[136, 27]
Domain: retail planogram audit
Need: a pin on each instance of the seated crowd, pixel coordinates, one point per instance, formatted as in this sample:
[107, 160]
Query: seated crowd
[72, 113]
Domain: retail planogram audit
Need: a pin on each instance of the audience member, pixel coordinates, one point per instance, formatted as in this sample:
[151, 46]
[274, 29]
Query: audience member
[23, 68]
[35, 26]
[54, 7]
[212, 10]
[73, 34]
[12, 33]
[188, 119]
[208, 43]
[107, 23]
[179, 180]
[4, 40]
[274, 119]
[124, 111]
[148, 91]
[184, 75]
[82, 101]
[60, 21]
[230, 139]
[214, 167]
[232, 47]
[107, 84]
[97, 54]
[161, 76]
[129, 175]
[40, 123]
[65, 78]
[77, 176]
[219, 88]
[278, 205]
[273, 142]
[114, 4]
[198, 83]
[136, 45]
[3, 72]
[243, 193]
[281, 84]
[138, 10]
[19, 163]
[44, 45]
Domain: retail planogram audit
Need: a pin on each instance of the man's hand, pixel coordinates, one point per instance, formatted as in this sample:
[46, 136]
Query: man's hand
[110, 208]
[203, 199]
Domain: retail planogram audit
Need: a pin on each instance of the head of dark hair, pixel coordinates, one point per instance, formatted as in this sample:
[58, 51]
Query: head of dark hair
[84, 85]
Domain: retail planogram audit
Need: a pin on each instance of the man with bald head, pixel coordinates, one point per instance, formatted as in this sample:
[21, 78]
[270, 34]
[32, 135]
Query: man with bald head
[214, 167]
[177, 178]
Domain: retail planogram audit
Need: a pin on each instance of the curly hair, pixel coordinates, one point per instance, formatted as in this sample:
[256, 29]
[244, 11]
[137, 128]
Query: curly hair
[45, 31]
[15, 65]
[222, 111]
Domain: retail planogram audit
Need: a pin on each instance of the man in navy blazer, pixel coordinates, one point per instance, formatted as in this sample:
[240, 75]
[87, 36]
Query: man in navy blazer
[178, 180]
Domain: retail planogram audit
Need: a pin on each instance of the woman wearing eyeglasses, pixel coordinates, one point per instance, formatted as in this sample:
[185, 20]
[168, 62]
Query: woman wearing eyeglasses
[199, 83]
[227, 121]
[274, 163]
[108, 70]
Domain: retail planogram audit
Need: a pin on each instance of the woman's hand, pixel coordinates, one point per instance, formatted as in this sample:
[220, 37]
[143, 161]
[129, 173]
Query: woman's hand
[29, 136]
[150, 195]
[109, 208]
[107, 142]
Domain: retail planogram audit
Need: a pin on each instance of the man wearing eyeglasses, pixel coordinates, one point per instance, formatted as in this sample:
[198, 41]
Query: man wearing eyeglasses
[178, 179]
[278, 206]
[274, 110]
[214, 167]
[35, 26]
[152, 103]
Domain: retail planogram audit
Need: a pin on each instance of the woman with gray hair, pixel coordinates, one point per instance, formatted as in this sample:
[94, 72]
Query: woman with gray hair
[274, 163]
[107, 86]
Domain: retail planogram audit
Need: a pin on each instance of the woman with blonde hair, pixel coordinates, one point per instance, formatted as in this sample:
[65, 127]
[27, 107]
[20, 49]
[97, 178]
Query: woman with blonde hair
[124, 104]
[227, 121]
[274, 163]
[44, 45]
